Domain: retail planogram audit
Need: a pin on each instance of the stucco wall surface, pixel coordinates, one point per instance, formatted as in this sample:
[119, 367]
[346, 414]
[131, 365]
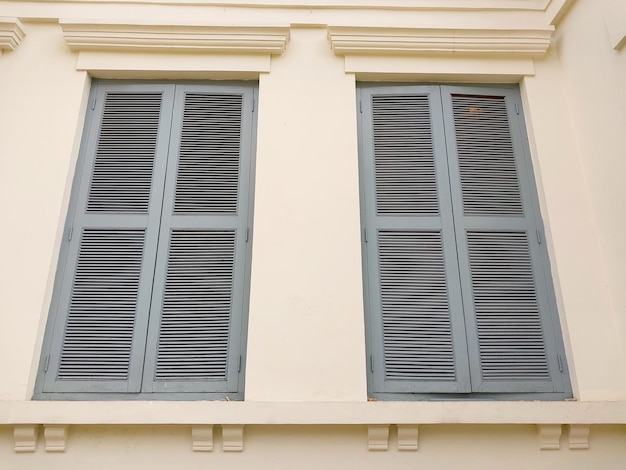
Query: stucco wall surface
[306, 338]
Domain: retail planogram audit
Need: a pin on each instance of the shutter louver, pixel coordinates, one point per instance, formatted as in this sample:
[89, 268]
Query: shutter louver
[504, 310]
[457, 290]
[195, 322]
[414, 303]
[122, 174]
[410, 254]
[208, 167]
[99, 331]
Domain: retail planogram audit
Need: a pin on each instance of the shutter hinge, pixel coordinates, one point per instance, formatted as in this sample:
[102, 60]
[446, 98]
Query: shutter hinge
[253, 104]
[516, 108]
[45, 367]
[371, 363]
[247, 234]
[239, 364]
[69, 235]
[365, 235]
[538, 236]
[93, 104]
[361, 106]
[560, 363]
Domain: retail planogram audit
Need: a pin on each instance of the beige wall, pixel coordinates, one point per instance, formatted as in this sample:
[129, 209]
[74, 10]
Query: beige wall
[306, 334]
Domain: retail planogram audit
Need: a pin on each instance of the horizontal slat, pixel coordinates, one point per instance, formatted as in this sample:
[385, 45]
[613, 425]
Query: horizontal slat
[508, 320]
[99, 330]
[403, 156]
[122, 174]
[208, 167]
[196, 312]
[417, 334]
[489, 178]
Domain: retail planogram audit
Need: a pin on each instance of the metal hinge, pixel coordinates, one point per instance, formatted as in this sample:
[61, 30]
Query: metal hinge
[247, 234]
[558, 358]
[365, 235]
[239, 365]
[538, 236]
[69, 234]
[93, 104]
[253, 105]
[45, 367]
[516, 108]
[361, 106]
[371, 363]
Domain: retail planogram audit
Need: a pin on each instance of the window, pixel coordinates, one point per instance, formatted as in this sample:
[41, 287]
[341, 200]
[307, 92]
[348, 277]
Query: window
[150, 295]
[459, 297]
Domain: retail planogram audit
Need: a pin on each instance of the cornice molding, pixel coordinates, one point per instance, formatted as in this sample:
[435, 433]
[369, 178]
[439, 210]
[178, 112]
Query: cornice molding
[530, 42]
[89, 35]
[11, 33]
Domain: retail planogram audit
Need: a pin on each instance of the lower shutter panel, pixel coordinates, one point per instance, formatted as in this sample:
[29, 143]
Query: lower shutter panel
[195, 322]
[417, 332]
[98, 335]
[508, 320]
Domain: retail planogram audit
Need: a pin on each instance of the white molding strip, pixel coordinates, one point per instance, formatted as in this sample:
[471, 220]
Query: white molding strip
[549, 436]
[378, 436]
[377, 41]
[91, 35]
[11, 33]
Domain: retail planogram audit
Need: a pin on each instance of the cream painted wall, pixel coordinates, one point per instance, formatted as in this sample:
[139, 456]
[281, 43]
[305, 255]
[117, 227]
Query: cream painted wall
[306, 332]
[593, 77]
[41, 102]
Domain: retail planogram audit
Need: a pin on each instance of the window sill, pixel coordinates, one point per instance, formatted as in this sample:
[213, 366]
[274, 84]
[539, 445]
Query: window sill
[310, 413]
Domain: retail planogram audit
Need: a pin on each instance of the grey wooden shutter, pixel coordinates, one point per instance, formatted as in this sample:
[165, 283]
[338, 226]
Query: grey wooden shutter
[101, 301]
[509, 313]
[198, 301]
[412, 282]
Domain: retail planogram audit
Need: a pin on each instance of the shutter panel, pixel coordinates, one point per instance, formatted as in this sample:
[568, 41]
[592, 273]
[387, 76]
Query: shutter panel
[504, 287]
[412, 278]
[103, 298]
[197, 308]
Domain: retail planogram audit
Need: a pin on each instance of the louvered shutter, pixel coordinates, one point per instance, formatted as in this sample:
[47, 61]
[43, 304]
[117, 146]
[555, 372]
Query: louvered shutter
[103, 289]
[413, 294]
[509, 315]
[197, 307]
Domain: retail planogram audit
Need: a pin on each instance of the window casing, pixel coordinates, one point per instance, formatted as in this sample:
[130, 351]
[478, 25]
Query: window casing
[458, 291]
[151, 291]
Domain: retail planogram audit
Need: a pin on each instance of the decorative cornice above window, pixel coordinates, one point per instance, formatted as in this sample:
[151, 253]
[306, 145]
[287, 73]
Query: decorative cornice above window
[147, 37]
[376, 41]
[11, 33]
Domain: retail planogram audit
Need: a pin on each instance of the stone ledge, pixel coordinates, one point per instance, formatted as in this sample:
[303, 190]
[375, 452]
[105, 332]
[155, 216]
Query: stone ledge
[93, 35]
[366, 413]
[529, 42]
[11, 33]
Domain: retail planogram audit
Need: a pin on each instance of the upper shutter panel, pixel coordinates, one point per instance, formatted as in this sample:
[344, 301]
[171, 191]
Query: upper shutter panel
[404, 157]
[103, 300]
[489, 180]
[208, 166]
[504, 287]
[121, 180]
[197, 304]
[413, 286]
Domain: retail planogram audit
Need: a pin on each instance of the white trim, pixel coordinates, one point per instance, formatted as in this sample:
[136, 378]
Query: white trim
[89, 35]
[11, 33]
[368, 413]
[528, 42]
[616, 23]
